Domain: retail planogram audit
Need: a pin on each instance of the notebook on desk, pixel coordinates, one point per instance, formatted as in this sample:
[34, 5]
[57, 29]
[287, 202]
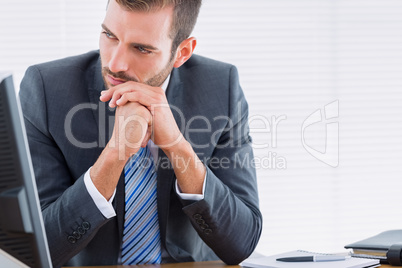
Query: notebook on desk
[271, 262]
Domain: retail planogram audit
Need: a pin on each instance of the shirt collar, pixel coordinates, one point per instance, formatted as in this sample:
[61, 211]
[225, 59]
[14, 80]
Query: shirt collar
[166, 83]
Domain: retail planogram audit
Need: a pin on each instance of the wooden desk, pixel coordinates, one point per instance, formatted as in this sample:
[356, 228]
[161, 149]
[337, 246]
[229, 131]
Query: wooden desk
[207, 264]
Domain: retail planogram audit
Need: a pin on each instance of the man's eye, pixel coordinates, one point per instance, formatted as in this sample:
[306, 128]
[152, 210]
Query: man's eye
[143, 50]
[108, 35]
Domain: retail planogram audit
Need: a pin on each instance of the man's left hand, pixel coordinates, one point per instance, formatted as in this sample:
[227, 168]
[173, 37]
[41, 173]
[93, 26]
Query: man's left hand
[165, 132]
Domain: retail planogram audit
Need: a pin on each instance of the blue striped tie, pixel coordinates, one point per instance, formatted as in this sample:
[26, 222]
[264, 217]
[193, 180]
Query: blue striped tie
[141, 238]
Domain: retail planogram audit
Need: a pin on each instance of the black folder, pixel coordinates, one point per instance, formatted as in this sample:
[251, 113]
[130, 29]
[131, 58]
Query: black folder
[386, 246]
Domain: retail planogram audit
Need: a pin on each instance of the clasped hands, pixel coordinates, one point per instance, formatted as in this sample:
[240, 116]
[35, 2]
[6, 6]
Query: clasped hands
[142, 113]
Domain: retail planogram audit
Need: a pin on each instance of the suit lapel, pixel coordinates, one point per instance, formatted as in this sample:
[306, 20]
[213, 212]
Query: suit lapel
[94, 91]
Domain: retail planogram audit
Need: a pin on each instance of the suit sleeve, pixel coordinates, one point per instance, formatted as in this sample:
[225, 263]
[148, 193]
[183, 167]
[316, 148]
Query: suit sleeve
[70, 215]
[228, 218]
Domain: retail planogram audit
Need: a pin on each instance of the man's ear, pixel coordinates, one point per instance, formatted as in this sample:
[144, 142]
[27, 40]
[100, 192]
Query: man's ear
[184, 51]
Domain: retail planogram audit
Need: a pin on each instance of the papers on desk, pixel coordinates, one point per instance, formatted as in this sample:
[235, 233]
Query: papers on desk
[271, 262]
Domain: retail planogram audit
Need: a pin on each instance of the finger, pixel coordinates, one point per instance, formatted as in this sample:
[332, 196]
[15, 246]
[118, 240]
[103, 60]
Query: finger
[139, 97]
[106, 95]
[119, 90]
[114, 93]
[127, 97]
[116, 96]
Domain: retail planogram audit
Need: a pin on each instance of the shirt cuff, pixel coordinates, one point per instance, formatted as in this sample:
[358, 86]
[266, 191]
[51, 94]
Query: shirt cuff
[191, 197]
[105, 207]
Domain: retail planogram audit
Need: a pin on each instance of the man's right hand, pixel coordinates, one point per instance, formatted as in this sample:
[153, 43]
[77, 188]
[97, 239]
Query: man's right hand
[131, 131]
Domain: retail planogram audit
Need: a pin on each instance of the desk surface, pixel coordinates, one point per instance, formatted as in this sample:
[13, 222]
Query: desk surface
[208, 264]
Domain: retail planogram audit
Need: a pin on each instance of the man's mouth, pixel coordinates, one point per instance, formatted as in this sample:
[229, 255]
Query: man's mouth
[114, 81]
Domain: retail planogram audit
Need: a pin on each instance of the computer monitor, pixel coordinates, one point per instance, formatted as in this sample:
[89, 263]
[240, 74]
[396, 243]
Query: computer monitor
[22, 233]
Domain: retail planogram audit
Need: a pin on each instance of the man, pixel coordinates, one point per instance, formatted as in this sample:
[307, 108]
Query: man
[195, 199]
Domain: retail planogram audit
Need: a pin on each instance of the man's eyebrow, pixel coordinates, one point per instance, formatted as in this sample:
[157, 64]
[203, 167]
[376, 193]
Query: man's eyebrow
[149, 47]
[107, 29]
[146, 46]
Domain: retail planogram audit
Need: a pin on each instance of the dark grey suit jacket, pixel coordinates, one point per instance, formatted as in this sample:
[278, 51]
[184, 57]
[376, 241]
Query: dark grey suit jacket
[68, 128]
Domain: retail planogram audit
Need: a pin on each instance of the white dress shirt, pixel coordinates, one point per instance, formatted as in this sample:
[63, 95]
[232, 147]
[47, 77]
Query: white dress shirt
[105, 206]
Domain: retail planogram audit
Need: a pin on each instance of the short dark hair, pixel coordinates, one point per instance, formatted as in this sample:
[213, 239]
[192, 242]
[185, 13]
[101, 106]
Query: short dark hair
[184, 17]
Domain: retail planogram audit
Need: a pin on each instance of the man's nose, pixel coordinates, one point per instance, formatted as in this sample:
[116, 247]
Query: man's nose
[119, 60]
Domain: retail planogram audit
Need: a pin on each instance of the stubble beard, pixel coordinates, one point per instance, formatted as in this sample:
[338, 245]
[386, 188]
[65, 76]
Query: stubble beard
[155, 81]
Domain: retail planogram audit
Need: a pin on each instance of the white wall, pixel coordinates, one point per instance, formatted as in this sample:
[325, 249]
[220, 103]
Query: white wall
[294, 57]
[43, 30]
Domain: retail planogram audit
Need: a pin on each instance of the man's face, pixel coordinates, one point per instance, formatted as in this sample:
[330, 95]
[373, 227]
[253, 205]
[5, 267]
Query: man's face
[135, 46]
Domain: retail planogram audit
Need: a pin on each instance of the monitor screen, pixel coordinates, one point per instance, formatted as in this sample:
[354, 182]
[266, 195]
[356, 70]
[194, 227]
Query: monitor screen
[22, 233]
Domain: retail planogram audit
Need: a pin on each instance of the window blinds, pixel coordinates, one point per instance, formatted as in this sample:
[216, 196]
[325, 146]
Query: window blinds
[294, 58]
